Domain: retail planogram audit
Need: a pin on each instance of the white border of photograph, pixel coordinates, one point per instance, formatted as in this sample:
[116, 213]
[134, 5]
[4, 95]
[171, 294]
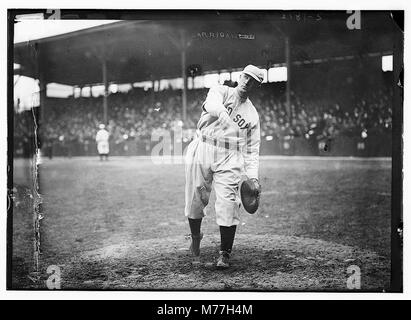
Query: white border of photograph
[210, 4]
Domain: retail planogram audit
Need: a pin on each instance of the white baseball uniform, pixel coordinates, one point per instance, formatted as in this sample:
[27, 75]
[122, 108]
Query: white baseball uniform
[221, 154]
[102, 141]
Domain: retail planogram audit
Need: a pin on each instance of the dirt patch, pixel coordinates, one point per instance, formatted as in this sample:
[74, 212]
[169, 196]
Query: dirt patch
[266, 263]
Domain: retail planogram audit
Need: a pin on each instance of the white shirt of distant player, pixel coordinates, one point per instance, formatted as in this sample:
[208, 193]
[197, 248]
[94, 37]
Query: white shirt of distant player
[102, 141]
[102, 135]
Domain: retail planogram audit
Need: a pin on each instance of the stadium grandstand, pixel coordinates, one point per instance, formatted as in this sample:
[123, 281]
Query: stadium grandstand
[328, 90]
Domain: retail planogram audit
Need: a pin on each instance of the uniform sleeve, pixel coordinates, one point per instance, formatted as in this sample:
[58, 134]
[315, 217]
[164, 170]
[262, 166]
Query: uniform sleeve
[215, 99]
[252, 151]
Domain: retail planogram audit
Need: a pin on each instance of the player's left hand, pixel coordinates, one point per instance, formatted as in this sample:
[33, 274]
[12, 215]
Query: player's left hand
[257, 186]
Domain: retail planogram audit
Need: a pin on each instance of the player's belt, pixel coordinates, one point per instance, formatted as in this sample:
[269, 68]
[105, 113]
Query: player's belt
[221, 143]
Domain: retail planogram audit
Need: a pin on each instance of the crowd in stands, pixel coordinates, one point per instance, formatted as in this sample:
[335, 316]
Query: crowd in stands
[327, 117]
[137, 113]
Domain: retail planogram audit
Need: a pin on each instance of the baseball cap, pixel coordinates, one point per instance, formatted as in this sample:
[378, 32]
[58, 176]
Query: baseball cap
[254, 72]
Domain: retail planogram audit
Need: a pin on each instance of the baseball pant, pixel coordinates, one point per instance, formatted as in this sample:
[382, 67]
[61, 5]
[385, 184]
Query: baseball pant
[103, 147]
[207, 164]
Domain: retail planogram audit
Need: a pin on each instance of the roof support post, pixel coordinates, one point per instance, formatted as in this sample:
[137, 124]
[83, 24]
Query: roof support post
[182, 44]
[38, 56]
[288, 66]
[42, 98]
[153, 84]
[184, 74]
[105, 82]
[288, 83]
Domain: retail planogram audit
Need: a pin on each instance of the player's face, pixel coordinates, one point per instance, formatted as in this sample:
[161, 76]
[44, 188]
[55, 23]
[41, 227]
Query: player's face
[246, 83]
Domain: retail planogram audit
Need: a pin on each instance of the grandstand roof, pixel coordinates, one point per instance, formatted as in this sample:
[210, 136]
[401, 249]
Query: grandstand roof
[148, 47]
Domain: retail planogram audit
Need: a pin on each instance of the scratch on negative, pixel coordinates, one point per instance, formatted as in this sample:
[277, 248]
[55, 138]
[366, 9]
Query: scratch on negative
[36, 197]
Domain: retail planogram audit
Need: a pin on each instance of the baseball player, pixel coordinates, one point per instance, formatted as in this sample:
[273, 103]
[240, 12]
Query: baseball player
[102, 142]
[226, 146]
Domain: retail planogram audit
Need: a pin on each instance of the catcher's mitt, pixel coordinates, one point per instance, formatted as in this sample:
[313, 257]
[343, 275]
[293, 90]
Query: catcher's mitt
[250, 191]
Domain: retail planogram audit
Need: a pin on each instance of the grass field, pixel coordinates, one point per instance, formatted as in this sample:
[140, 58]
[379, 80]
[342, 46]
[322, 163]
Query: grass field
[120, 225]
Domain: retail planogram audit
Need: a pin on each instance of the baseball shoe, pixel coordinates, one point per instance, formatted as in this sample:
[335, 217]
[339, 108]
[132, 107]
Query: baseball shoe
[195, 244]
[223, 260]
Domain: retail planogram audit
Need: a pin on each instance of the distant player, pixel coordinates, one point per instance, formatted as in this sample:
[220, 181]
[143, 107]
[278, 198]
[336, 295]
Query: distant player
[102, 142]
[227, 145]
